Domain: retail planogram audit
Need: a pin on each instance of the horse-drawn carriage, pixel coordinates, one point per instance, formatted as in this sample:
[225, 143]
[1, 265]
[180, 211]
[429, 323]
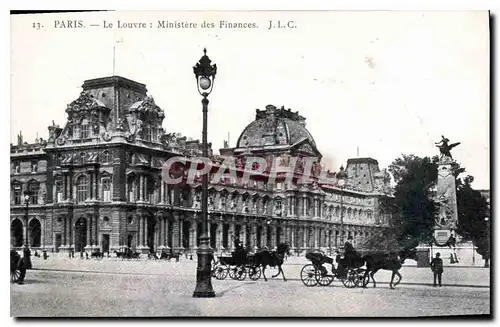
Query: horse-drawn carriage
[237, 266]
[351, 275]
[240, 263]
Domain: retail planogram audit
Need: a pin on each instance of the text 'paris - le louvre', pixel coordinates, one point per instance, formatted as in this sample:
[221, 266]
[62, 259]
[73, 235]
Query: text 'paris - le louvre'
[112, 177]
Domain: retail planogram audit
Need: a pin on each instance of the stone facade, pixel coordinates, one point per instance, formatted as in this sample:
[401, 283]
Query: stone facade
[97, 183]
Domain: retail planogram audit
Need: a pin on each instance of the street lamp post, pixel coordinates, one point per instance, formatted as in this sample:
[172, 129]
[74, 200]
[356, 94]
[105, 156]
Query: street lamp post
[205, 77]
[26, 251]
[27, 197]
[341, 178]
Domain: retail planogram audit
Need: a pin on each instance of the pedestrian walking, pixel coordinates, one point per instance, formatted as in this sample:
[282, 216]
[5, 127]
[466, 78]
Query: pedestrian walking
[437, 268]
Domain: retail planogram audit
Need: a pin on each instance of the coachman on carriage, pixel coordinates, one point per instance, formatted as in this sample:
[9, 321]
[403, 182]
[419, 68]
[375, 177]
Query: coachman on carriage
[237, 266]
[348, 269]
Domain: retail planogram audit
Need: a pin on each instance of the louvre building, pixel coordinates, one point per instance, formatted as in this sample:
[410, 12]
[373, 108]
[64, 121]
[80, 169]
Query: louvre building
[95, 183]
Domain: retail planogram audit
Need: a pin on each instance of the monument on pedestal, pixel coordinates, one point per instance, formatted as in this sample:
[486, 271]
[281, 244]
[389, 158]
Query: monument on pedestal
[446, 195]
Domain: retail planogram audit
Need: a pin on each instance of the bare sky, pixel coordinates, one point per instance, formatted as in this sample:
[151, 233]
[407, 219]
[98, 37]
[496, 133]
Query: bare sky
[386, 82]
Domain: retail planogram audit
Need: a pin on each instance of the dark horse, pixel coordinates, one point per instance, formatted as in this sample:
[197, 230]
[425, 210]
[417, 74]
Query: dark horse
[273, 259]
[386, 261]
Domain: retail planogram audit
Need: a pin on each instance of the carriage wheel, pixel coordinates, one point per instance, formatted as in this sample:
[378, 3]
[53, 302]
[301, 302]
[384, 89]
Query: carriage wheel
[220, 272]
[241, 273]
[232, 272]
[14, 275]
[308, 275]
[215, 265]
[237, 272]
[323, 279]
[254, 272]
[351, 280]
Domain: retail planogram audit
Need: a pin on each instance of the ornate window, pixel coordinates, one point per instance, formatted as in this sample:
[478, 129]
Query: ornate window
[369, 215]
[17, 193]
[147, 134]
[34, 188]
[59, 190]
[254, 204]
[131, 187]
[85, 129]
[277, 207]
[82, 186]
[154, 134]
[76, 131]
[17, 167]
[106, 189]
[34, 166]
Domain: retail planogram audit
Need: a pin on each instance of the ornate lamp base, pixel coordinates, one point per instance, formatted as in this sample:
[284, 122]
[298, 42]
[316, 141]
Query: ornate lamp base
[204, 271]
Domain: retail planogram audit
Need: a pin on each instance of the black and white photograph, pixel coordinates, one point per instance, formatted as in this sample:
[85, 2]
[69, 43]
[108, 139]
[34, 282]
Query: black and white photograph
[250, 164]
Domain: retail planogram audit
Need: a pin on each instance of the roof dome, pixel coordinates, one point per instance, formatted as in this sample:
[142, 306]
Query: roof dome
[275, 127]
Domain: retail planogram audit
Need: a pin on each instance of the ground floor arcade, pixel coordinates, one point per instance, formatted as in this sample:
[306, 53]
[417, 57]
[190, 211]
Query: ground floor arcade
[146, 228]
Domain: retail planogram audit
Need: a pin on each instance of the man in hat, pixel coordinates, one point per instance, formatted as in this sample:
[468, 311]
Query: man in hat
[349, 257]
[349, 252]
[437, 268]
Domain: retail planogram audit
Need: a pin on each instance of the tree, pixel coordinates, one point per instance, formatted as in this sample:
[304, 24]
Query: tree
[411, 209]
[472, 209]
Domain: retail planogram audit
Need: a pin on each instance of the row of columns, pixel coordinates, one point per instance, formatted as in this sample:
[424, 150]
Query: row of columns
[170, 233]
[298, 236]
[68, 185]
[68, 232]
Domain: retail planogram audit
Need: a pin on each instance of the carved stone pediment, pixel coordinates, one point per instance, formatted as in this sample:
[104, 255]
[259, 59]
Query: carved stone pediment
[84, 102]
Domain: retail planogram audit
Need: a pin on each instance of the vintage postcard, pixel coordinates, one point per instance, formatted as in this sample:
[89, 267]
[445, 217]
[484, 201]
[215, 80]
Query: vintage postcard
[250, 164]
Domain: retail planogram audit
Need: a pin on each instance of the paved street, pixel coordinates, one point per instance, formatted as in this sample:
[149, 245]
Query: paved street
[146, 288]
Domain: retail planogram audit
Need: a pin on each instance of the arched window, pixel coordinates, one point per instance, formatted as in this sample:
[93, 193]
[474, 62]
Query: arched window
[147, 133]
[82, 186]
[277, 206]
